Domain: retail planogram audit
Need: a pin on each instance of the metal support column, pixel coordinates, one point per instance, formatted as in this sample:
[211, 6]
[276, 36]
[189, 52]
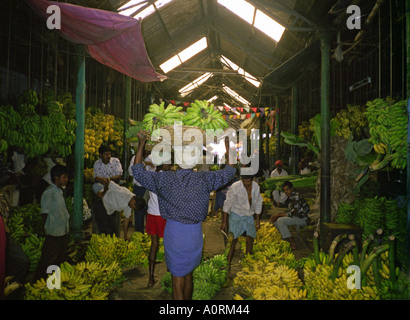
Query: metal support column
[277, 128]
[325, 212]
[77, 220]
[127, 115]
[294, 129]
[408, 135]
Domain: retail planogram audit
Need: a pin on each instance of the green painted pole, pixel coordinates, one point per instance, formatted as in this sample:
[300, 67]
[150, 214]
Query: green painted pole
[127, 115]
[267, 132]
[294, 129]
[277, 128]
[77, 220]
[408, 135]
[325, 213]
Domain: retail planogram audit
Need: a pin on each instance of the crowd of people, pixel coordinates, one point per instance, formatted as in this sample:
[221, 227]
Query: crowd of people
[165, 203]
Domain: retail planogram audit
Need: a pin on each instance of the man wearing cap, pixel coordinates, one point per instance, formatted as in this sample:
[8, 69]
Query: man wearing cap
[279, 198]
[106, 169]
[279, 171]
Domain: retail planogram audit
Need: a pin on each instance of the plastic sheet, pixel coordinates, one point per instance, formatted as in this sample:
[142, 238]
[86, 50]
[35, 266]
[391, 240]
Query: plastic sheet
[112, 39]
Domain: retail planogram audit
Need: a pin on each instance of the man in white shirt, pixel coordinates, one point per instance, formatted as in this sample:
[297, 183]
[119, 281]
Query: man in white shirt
[279, 171]
[106, 169]
[243, 201]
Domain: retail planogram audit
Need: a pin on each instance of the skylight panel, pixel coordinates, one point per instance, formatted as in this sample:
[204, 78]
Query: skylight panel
[235, 95]
[254, 17]
[184, 55]
[170, 64]
[212, 99]
[193, 49]
[241, 8]
[268, 26]
[248, 77]
[195, 84]
[135, 5]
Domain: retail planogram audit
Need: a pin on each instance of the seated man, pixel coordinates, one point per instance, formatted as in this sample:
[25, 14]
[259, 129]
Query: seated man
[297, 213]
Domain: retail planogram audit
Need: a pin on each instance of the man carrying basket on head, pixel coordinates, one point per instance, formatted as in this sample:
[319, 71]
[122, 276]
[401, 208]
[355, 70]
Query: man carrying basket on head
[183, 198]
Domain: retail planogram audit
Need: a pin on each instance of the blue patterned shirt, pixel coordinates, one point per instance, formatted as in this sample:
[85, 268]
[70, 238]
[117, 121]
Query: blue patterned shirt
[183, 195]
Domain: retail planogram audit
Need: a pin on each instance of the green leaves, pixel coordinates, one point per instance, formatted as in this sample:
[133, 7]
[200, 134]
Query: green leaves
[358, 152]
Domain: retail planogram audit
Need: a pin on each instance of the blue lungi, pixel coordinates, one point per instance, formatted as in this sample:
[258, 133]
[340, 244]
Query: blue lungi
[183, 244]
[240, 224]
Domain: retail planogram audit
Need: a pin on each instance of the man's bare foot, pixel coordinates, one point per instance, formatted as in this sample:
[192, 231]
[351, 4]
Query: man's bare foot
[151, 282]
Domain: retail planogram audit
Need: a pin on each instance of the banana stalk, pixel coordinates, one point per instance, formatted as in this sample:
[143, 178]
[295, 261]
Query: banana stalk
[372, 256]
[333, 246]
[355, 250]
[349, 246]
[392, 262]
[365, 246]
[376, 274]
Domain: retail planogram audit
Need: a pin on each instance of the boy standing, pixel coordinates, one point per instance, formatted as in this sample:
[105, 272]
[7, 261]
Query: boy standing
[56, 218]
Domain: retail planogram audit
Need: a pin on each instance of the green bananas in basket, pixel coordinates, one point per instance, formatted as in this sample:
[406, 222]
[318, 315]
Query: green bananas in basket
[203, 115]
[159, 116]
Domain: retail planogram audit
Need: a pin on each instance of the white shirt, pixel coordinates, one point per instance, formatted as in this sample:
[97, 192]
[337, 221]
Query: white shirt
[275, 173]
[117, 198]
[147, 167]
[305, 171]
[237, 200]
[111, 169]
[153, 207]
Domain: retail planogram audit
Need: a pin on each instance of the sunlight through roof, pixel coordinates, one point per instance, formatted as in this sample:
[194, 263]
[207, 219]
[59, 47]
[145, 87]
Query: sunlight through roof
[212, 99]
[184, 55]
[133, 5]
[254, 17]
[248, 77]
[235, 95]
[195, 84]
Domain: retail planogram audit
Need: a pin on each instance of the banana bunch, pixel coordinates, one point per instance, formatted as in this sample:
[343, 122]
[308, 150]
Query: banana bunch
[101, 129]
[319, 285]
[32, 247]
[107, 249]
[133, 129]
[26, 229]
[83, 281]
[159, 116]
[269, 246]
[10, 286]
[352, 121]
[209, 277]
[89, 175]
[388, 121]
[203, 115]
[264, 280]
[266, 200]
[267, 233]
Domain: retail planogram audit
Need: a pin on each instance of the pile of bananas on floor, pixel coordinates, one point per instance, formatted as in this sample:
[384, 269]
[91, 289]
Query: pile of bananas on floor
[273, 273]
[96, 266]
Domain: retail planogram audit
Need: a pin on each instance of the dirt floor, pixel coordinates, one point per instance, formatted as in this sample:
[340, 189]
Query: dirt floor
[136, 285]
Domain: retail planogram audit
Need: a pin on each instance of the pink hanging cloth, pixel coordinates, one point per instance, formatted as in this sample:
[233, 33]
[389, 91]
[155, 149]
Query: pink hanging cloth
[110, 38]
